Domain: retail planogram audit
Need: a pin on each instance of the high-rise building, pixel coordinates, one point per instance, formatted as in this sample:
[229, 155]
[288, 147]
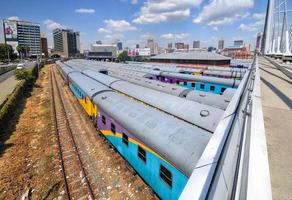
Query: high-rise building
[179, 45]
[186, 46]
[259, 41]
[238, 43]
[151, 45]
[137, 46]
[23, 33]
[196, 44]
[221, 44]
[169, 45]
[44, 45]
[120, 46]
[66, 42]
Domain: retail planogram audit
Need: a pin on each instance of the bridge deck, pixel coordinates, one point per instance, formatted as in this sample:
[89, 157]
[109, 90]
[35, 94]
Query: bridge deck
[277, 109]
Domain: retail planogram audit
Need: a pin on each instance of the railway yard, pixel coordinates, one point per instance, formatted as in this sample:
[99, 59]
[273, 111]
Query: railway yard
[102, 130]
[30, 167]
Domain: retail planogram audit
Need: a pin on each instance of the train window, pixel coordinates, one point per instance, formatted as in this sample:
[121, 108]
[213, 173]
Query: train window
[113, 128]
[103, 119]
[165, 175]
[193, 85]
[177, 82]
[202, 86]
[125, 139]
[185, 83]
[212, 88]
[222, 90]
[142, 154]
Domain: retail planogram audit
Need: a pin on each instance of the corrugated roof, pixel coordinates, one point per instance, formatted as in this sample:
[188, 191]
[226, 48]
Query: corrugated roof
[195, 55]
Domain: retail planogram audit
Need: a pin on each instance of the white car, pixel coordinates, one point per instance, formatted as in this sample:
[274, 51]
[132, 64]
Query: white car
[20, 66]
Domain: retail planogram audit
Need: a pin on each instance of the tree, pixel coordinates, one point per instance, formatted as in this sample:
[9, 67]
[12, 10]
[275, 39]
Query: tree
[23, 50]
[7, 52]
[122, 57]
[22, 74]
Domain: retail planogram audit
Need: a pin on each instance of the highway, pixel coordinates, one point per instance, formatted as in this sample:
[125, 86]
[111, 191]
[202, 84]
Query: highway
[277, 104]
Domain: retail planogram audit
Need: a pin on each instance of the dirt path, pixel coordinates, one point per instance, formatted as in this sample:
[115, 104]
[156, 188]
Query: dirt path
[28, 154]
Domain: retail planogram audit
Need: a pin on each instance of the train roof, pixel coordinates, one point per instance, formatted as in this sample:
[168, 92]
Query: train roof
[201, 115]
[215, 100]
[153, 84]
[87, 85]
[204, 79]
[178, 142]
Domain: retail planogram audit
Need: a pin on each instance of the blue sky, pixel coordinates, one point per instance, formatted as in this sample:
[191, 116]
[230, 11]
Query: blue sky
[133, 21]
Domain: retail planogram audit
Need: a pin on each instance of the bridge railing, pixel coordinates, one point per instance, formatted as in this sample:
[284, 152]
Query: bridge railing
[223, 170]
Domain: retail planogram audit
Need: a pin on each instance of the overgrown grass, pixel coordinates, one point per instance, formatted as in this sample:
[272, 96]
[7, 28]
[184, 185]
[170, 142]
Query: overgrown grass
[27, 78]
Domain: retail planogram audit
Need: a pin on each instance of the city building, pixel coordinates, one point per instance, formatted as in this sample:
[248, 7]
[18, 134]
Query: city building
[259, 41]
[102, 52]
[169, 45]
[192, 57]
[44, 45]
[221, 44]
[66, 42]
[137, 46]
[120, 46]
[238, 43]
[23, 33]
[99, 42]
[237, 52]
[196, 44]
[179, 45]
[153, 46]
[186, 46]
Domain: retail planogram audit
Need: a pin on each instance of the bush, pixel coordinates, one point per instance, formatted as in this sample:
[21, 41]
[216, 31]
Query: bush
[27, 78]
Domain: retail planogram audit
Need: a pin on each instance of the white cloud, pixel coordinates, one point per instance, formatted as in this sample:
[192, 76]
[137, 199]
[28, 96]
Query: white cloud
[134, 1]
[215, 28]
[51, 25]
[256, 25]
[154, 11]
[259, 16]
[108, 36]
[103, 30]
[13, 18]
[85, 10]
[222, 12]
[174, 36]
[117, 26]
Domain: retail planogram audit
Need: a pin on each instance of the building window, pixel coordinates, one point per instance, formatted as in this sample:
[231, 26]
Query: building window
[142, 154]
[125, 139]
[103, 119]
[222, 90]
[185, 83]
[193, 85]
[165, 175]
[113, 128]
[202, 86]
[212, 88]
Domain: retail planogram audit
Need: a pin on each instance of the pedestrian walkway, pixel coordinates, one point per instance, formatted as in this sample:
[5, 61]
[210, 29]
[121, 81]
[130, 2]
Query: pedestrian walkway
[276, 90]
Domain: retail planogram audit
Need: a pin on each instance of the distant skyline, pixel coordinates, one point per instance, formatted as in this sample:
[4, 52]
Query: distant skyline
[133, 21]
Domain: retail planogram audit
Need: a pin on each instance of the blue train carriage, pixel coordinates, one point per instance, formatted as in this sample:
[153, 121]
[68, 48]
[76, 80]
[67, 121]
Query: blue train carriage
[200, 83]
[84, 89]
[162, 149]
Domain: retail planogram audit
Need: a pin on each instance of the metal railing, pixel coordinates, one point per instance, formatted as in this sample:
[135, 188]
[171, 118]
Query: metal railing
[223, 170]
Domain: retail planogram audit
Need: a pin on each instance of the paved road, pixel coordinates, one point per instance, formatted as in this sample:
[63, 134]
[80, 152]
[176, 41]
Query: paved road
[6, 75]
[277, 104]
[6, 88]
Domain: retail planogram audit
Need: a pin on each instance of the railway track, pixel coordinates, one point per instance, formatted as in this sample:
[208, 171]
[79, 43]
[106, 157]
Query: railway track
[76, 183]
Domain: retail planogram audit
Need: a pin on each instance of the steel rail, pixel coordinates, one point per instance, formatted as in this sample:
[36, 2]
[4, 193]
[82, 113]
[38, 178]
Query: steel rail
[91, 193]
